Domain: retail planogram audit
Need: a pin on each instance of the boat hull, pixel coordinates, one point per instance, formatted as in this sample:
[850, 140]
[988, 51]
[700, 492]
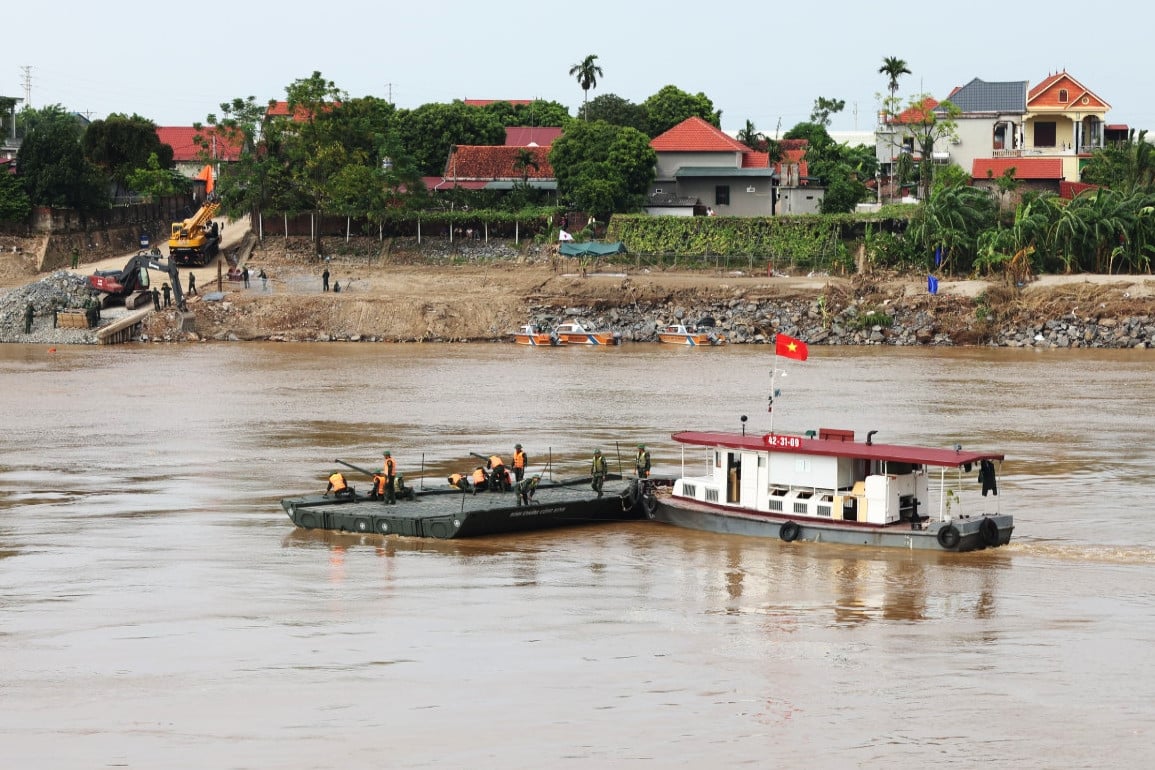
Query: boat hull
[543, 339]
[449, 513]
[964, 534]
[691, 340]
[590, 338]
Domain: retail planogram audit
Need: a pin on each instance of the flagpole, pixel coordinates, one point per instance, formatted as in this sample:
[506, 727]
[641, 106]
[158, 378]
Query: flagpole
[773, 369]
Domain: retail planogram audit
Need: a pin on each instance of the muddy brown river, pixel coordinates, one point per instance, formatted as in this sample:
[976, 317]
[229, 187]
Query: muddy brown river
[158, 610]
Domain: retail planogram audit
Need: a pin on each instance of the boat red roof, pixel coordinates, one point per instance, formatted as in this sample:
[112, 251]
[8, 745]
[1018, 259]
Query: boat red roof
[837, 447]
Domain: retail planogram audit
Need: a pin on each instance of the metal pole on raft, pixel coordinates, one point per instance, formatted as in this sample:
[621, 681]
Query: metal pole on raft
[773, 369]
[423, 470]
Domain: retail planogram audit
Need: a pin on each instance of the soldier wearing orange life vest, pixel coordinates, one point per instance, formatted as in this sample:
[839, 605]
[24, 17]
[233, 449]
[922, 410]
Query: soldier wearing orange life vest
[498, 476]
[459, 481]
[338, 486]
[520, 460]
[480, 479]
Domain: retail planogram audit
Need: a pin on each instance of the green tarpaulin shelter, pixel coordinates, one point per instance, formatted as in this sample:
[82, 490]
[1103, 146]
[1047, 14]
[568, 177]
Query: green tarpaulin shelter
[572, 249]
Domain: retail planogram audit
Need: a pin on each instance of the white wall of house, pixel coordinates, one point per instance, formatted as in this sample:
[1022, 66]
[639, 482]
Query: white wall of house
[670, 162]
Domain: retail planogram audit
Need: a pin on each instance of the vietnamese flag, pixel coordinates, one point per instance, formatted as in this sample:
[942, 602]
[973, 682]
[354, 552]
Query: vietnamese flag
[790, 347]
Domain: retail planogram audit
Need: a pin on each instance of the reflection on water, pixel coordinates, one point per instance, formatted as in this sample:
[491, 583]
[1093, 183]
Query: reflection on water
[144, 558]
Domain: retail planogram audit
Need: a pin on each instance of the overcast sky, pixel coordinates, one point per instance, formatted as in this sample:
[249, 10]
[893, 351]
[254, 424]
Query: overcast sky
[761, 62]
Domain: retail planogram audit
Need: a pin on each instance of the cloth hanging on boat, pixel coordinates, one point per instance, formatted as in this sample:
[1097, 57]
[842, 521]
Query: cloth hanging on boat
[987, 478]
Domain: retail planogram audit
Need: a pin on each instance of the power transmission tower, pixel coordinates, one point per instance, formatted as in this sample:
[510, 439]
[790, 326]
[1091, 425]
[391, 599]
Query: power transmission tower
[27, 69]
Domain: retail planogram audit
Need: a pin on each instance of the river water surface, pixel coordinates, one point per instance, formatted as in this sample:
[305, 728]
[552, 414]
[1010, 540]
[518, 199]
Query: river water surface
[158, 610]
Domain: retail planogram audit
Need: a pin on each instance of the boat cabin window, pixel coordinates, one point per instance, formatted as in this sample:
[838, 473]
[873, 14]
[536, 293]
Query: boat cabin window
[778, 492]
[804, 495]
[902, 469]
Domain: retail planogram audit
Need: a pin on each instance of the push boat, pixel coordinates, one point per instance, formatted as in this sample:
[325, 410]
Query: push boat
[534, 337]
[831, 488]
[574, 333]
[680, 334]
[450, 513]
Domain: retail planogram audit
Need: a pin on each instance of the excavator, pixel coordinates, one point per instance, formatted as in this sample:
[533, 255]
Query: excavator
[196, 240]
[130, 284]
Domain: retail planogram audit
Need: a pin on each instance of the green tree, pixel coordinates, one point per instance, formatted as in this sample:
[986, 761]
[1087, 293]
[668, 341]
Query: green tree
[752, 137]
[1128, 167]
[52, 165]
[153, 181]
[539, 112]
[824, 108]
[671, 105]
[952, 219]
[894, 68]
[121, 144]
[430, 130]
[524, 161]
[587, 73]
[615, 110]
[246, 184]
[926, 124]
[602, 168]
[14, 203]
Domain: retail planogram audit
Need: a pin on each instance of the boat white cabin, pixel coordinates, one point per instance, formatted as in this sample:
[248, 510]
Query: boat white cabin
[829, 487]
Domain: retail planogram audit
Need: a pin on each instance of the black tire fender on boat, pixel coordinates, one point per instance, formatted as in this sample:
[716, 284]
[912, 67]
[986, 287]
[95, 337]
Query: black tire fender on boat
[789, 531]
[308, 520]
[989, 532]
[382, 526]
[948, 536]
[361, 525]
[649, 504]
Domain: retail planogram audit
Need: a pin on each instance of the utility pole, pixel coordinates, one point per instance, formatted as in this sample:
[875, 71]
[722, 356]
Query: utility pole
[389, 90]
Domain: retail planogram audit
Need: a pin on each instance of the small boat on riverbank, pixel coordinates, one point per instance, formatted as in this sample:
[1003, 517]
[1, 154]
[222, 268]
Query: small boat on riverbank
[680, 334]
[450, 513]
[574, 333]
[534, 337]
[831, 488]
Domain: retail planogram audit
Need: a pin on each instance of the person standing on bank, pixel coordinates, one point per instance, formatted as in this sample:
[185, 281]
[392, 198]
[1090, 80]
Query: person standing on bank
[520, 460]
[598, 469]
[325, 279]
[29, 314]
[264, 280]
[155, 299]
[192, 283]
[245, 276]
[75, 258]
[164, 287]
[642, 462]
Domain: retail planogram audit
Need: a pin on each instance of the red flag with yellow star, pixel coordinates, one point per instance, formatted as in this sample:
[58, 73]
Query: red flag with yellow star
[790, 348]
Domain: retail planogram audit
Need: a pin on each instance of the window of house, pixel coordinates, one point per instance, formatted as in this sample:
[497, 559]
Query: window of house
[722, 195]
[1063, 96]
[1045, 134]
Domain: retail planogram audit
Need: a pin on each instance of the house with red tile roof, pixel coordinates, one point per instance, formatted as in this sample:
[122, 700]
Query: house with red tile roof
[186, 152]
[498, 167]
[1042, 134]
[702, 168]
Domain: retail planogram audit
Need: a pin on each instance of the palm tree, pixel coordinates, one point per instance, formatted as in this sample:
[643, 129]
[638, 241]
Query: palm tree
[894, 68]
[752, 137]
[524, 161]
[587, 74]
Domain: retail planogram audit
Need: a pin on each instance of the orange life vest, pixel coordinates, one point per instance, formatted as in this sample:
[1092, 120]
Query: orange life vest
[495, 461]
[455, 479]
[519, 459]
[337, 481]
[390, 468]
[479, 476]
[379, 483]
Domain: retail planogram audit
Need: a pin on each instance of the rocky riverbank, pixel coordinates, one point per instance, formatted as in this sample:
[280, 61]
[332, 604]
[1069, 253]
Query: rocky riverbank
[470, 292]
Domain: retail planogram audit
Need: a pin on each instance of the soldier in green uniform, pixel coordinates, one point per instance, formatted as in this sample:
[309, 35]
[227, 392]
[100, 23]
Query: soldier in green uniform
[598, 471]
[642, 462]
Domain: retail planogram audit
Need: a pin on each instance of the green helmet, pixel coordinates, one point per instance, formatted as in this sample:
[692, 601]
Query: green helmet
[387, 454]
[597, 451]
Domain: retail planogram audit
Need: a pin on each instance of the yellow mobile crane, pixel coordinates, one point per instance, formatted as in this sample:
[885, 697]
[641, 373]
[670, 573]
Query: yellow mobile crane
[195, 240]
